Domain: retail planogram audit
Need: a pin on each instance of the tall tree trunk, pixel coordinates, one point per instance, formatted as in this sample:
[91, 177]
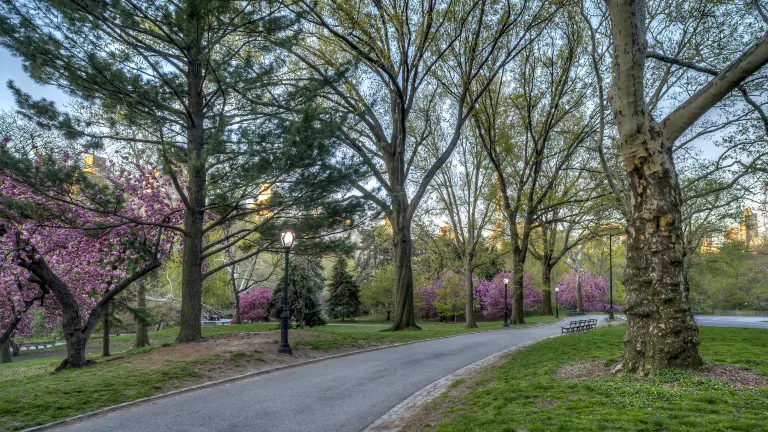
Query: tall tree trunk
[546, 293]
[405, 315]
[191, 276]
[579, 295]
[518, 312]
[142, 334]
[469, 309]
[661, 332]
[5, 352]
[105, 339]
[15, 348]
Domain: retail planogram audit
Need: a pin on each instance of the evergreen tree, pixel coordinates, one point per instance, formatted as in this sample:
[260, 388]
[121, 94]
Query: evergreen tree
[305, 283]
[197, 82]
[344, 292]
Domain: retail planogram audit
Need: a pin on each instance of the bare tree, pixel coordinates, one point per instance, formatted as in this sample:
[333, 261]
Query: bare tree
[531, 128]
[462, 188]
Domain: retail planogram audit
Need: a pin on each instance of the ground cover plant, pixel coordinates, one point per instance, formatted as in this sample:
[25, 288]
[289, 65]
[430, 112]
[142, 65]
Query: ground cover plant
[526, 393]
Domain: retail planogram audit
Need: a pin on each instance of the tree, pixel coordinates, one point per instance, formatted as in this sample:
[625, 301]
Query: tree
[491, 295]
[412, 51]
[594, 292]
[344, 299]
[194, 81]
[661, 331]
[378, 294]
[305, 283]
[462, 187]
[83, 260]
[531, 128]
[253, 305]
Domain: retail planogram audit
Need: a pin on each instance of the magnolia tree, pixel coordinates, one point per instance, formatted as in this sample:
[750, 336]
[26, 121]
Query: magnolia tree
[594, 292]
[253, 304]
[61, 255]
[491, 295]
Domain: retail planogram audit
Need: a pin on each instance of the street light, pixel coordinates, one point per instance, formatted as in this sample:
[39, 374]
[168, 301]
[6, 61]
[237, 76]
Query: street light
[610, 273]
[506, 309]
[557, 306]
[286, 238]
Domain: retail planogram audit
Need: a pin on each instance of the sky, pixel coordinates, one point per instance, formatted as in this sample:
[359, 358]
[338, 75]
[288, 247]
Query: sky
[10, 69]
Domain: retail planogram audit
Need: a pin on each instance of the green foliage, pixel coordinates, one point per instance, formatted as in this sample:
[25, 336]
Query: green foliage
[729, 279]
[450, 301]
[378, 294]
[344, 299]
[305, 283]
[525, 393]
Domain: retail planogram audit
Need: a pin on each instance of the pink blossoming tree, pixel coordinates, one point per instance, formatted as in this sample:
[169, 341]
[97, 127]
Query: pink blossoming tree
[594, 292]
[491, 295]
[253, 304]
[72, 243]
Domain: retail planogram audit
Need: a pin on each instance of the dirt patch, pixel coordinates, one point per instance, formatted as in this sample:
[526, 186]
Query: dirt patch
[735, 376]
[229, 355]
[581, 371]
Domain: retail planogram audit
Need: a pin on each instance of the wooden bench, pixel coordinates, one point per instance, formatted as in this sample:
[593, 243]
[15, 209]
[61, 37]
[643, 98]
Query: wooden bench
[580, 326]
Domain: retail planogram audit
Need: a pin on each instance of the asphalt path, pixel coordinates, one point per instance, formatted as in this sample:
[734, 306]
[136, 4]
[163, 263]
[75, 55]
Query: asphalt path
[343, 394]
[732, 321]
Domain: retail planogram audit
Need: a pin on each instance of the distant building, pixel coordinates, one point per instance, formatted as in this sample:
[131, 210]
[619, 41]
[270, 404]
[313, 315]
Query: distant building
[95, 165]
[747, 232]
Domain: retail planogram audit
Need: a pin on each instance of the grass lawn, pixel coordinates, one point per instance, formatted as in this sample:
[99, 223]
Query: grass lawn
[524, 393]
[30, 395]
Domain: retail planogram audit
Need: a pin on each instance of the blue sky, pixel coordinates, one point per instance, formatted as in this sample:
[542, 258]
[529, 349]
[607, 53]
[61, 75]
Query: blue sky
[10, 69]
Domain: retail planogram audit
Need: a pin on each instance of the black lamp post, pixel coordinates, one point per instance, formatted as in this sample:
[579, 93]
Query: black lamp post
[506, 309]
[610, 273]
[286, 238]
[557, 305]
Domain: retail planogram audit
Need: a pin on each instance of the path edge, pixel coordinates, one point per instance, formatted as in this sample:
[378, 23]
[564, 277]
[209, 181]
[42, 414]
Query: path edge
[81, 417]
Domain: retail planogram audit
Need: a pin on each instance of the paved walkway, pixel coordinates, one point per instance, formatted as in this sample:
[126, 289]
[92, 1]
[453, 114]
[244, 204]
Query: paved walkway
[344, 394]
[732, 321]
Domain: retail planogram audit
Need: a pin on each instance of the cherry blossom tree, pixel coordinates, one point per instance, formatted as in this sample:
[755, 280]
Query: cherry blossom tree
[491, 295]
[594, 292]
[253, 304]
[70, 257]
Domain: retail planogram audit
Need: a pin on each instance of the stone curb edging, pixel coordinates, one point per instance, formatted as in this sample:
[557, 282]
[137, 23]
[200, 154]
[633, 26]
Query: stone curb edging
[81, 417]
[395, 418]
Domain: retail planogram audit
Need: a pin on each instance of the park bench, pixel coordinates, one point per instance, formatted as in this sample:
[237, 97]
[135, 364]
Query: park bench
[37, 345]
[573, 312]
[580, 326]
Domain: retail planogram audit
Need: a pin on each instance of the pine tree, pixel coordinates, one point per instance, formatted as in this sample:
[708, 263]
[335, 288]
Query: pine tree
[195, 82]
[305, 283]
[344, 292]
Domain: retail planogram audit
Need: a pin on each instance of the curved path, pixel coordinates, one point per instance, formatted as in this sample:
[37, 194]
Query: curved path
[343, 394]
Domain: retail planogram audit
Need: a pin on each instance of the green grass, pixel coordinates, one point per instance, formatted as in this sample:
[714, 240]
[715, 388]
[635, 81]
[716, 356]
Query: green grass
[335, 337]
[524, 393]
[30, 395]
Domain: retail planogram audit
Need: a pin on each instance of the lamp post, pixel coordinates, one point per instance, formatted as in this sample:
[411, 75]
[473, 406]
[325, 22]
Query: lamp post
[557, 306]
[610, 274]
[286, 238]
[506, 309]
